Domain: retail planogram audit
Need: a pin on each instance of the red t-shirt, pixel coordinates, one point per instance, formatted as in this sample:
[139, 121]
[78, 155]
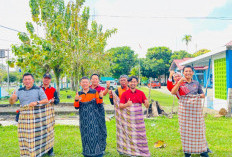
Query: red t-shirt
[98, 88]
[137, 97]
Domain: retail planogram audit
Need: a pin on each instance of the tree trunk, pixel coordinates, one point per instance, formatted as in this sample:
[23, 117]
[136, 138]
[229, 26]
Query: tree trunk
[82, 71]
[56, 71]
[72, 82]
[76, 83]
[57, 84]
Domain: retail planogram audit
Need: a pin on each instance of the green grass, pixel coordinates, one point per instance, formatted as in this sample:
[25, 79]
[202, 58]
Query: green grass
[164, 99]
[68, 140]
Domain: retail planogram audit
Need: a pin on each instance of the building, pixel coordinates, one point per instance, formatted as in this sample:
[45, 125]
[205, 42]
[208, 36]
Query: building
[219, 72]
[200, 73]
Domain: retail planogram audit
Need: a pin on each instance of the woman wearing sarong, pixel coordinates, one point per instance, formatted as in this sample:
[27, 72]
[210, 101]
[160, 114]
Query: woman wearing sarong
[190, 116]
[92, 120]
[131, 131]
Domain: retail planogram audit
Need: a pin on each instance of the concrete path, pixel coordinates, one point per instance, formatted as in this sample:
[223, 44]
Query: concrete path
[59, 120]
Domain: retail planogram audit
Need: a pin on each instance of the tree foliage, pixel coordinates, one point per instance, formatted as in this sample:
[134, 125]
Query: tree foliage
[69, 47]
[12, 77]
[200, 52]
[156, 62]
[187, 39]
[123, 59]
[180, 55]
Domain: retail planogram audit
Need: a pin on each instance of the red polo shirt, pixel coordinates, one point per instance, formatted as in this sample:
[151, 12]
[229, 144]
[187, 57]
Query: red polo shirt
[136, 97]
[98, 88]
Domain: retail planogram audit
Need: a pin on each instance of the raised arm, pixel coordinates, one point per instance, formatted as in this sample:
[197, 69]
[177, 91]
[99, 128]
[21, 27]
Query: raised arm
[177, 86]
[107, 88]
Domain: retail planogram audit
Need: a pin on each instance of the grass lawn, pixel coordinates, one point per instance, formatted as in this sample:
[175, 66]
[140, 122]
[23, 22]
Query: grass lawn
[68, 140]
[164, 99]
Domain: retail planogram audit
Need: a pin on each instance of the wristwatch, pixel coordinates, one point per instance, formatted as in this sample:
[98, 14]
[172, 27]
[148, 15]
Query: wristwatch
[37, 102]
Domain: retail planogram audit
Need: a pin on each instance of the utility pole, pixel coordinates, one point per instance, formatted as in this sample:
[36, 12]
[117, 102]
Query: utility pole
[139, 66]
[8, 77]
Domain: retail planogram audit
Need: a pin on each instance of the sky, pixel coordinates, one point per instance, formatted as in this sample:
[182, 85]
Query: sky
[147, 23]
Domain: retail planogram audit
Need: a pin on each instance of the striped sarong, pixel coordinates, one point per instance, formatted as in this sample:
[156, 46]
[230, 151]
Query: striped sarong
[131, 131]
[36, 130]
[192, 124]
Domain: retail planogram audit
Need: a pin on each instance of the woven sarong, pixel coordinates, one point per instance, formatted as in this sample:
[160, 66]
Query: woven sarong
[131, 131]
[93, 128]
[36, 130]
[192, 124]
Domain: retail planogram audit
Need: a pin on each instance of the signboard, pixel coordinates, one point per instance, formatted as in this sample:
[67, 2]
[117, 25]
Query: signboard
[2, 53]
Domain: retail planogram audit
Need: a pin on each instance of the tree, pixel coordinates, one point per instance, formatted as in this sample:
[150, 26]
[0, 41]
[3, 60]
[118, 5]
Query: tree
[68, 45]
[156, 62]
[200, 52]
[187, 39]
[180, 55]
[134, 71]
[123, 59]
[87, 45]
[2, 73]
[12, 77]
[39, 54]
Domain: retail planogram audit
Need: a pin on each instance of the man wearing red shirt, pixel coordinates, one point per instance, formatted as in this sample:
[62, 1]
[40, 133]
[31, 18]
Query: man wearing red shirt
[95, 84]
[130, 122]
[52, 98]
[50, 91]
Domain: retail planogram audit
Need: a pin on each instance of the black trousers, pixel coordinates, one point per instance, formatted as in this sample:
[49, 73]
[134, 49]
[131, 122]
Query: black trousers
[205, 154]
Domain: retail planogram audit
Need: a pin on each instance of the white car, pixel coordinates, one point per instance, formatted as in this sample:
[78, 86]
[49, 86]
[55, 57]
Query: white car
[113, 84]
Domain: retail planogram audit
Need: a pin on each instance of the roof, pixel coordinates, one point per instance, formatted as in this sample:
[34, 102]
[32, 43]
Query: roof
[229, 43]
[201, 68]
[177, 62]
[202, 60]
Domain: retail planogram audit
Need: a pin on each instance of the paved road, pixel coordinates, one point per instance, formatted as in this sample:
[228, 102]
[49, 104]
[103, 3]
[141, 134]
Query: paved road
[163, 89]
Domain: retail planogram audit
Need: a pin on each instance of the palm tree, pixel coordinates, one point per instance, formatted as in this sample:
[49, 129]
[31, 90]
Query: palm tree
[187, 39]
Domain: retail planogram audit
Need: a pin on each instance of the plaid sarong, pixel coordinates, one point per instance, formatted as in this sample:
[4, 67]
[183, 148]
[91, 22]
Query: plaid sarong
[192, 124]
[36, 130]
[131, 131]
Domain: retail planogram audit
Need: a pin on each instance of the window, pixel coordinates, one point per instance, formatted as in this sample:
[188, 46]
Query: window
[220, 78]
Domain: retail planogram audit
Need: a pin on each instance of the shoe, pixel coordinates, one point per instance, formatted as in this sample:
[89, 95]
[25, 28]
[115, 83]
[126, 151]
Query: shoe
[209, 151]
[52, 154]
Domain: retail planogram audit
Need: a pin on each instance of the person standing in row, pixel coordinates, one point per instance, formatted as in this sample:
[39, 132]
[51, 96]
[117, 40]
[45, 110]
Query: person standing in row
[190, 115]
[92, 119]
[34, 125]
[95, 79]
[131, 131]
[53, 100]
[120, 90]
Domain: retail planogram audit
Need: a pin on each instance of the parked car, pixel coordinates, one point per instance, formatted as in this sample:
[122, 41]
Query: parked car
[113, 84]
[154, 84]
